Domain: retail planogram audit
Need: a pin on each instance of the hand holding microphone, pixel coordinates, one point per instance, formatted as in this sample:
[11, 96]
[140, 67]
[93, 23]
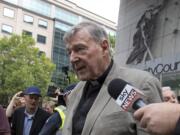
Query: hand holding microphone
[156, 118]
[159, 118]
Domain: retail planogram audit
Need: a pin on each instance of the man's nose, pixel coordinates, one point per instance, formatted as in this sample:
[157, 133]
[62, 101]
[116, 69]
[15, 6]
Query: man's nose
[73, 57]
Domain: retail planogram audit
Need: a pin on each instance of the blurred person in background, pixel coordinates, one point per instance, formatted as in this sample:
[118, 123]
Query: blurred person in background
[55, 122]
[4, 124]
[16, 102]
[48, 106]
[30, 119]
[169, 95]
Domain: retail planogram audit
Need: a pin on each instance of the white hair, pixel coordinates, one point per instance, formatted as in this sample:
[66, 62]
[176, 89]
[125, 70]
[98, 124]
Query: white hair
[166, 88]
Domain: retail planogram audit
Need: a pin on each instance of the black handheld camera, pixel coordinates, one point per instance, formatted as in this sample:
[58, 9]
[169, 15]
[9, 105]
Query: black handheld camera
[51, 91]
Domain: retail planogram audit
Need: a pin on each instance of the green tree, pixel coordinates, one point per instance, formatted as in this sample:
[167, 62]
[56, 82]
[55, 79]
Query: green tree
[68, 79]
[21, 65]
[112, 39]
[73, 77]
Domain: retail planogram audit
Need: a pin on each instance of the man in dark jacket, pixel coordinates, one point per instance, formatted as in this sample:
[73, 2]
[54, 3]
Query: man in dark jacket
[30, 119]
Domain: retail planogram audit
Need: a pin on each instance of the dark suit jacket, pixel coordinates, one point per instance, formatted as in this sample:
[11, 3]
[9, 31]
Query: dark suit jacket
[52, 125]
[18, 121]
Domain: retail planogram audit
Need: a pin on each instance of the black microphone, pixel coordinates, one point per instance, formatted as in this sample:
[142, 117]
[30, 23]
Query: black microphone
[126, 96]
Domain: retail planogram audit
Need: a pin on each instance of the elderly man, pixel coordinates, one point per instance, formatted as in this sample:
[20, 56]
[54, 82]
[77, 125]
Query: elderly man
[91, 110]
[169, 95]
[30, 119]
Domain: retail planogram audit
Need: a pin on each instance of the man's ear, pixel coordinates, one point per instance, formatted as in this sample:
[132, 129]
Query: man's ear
[105, 45]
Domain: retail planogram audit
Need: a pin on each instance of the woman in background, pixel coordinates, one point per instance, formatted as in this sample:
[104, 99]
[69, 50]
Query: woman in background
[4, 125]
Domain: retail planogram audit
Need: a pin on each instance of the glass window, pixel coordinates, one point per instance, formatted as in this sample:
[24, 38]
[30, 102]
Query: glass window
[28, 19]
[41, 39]
[7, 29]
[38, 6]
[27, 32]
[66, 16]
[42, 24]
[60, 56]
[62, 26]
[8, 12]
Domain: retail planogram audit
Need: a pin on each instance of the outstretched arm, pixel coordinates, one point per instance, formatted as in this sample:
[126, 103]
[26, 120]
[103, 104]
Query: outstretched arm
[159, 118]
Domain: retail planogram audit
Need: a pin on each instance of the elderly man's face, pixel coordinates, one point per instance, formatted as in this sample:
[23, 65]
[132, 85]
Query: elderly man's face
[169, 96]
[88, 58]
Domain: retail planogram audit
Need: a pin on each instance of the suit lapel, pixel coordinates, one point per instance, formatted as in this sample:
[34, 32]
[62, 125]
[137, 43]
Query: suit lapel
[21, 125]
[35, 121]
[74, 101]
[99, 104]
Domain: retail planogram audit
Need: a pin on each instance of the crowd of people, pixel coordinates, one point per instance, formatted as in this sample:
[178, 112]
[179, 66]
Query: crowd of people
[24, 116]
[89, 109]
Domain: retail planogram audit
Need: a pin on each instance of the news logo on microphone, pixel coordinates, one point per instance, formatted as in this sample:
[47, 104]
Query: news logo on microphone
[127, 97]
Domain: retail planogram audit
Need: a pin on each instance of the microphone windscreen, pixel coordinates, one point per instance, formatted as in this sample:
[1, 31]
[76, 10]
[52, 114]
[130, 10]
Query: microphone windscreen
[126, 96]
[115, 87]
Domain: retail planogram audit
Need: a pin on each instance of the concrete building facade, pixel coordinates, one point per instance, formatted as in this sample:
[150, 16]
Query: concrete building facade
[47, 21]
[148, 38]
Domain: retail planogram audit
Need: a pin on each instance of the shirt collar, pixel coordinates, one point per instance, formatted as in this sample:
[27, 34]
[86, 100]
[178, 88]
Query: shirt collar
[30, 115]
[101, 79]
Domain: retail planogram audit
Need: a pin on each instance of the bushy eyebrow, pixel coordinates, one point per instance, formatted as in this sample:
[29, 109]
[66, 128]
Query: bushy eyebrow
[77, 47]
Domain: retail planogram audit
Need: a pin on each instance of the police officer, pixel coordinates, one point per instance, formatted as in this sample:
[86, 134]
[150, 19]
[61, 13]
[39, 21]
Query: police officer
[55, 122]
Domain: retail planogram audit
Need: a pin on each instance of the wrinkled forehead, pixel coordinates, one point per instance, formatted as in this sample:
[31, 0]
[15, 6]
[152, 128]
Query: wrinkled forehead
[81, 37]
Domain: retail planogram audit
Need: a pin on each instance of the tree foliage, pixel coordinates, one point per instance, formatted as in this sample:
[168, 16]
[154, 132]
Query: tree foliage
[66, 79]
[21, 65]
[112, 40]
[73, 77]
